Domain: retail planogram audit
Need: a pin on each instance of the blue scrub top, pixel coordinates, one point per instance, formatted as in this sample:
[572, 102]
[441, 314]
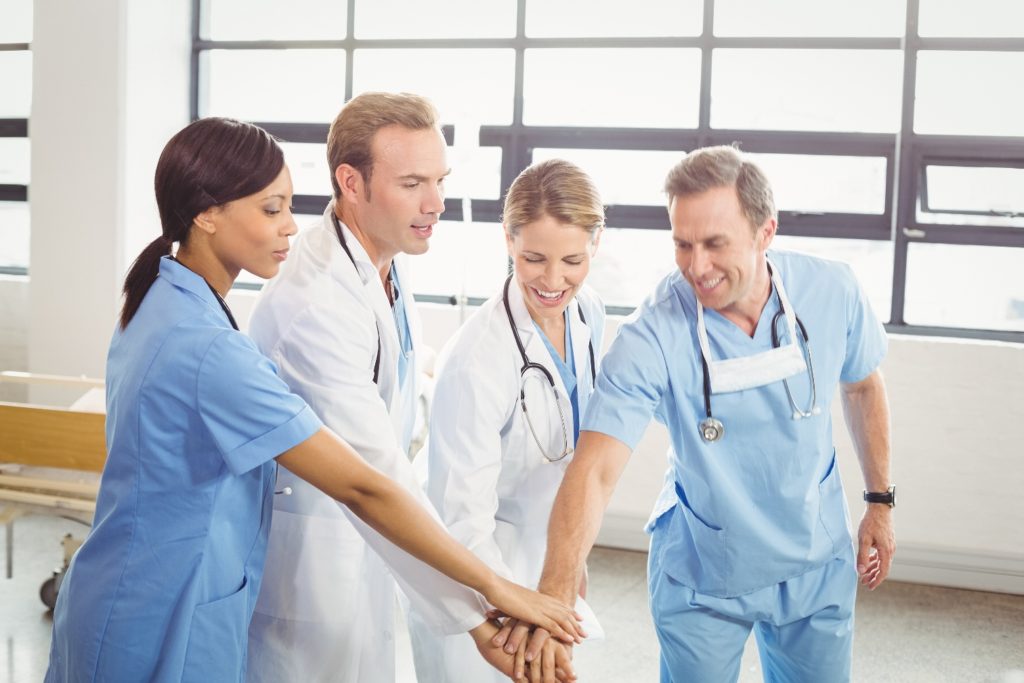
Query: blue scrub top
[165, 584]
[567, 371]
[765, 503]
[402, 325]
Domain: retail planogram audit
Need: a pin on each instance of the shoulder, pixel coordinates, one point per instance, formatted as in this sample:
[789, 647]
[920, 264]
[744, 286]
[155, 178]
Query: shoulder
[806, 270]
[479, 342]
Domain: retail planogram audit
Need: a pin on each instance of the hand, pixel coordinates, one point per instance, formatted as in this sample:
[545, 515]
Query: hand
[546, 612]
[495, 656]
[876, 545]
[553, 664]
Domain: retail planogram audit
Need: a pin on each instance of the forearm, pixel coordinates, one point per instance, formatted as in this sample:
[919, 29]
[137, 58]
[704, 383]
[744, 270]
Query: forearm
[331, 465]
[578, 511]
[866, 408]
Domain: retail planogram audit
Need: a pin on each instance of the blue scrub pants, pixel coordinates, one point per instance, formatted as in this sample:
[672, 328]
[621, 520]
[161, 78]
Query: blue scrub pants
[803, 626]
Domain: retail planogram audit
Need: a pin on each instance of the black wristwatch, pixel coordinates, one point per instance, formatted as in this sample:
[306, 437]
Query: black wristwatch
[884, 497]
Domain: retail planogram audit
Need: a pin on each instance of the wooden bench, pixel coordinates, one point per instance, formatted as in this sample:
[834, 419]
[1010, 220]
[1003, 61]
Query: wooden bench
[69, 441]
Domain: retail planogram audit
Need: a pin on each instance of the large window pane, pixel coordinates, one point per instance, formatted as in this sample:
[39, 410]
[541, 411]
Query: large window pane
[866, 18]
[621, 176]
[16, 26]
[464, 258]
[16, 77]
[842, 184]
[476, 173]
[871, 261]
[481, 94]
[273, 20]
[307, 163]
[14, 240]
[251, 85]
[969, 93]
[976, 188]
[564, 18]
[818, 90]
[14, 161]
[646, 87]
[449, 19]
[629, 263]
[965, 286]
[980, 18]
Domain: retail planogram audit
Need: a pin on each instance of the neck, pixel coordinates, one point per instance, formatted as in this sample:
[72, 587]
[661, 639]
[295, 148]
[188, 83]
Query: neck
[745, 314]
[379, 256]
[203, 263]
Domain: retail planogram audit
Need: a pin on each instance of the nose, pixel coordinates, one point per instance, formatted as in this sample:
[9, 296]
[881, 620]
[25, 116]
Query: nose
[290, 227]
[700, 263]
[434, 201]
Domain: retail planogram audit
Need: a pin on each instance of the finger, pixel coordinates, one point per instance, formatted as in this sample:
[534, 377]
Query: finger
[503, 633]
[563, 664]
[547, 663]
[519, 668]
[864, 547]
[537, 640]
[517, 636]
[536, 674]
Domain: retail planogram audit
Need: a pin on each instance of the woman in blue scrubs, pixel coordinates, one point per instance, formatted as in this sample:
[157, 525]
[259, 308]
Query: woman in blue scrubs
[164, 586]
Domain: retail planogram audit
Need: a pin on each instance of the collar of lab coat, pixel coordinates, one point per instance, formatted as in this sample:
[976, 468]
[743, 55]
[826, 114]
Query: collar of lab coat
[373, 291]
[537, 352]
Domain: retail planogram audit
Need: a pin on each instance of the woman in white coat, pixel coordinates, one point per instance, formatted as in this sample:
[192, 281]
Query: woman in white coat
[512, 386]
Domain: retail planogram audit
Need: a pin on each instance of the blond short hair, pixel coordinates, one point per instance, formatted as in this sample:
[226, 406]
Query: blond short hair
[350, 140]
[555, 188]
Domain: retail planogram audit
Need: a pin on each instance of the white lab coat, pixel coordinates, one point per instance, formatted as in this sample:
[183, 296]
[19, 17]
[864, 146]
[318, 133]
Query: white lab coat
[326, 606]
[485, 473]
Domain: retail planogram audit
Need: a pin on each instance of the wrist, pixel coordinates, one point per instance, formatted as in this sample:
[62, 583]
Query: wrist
[881, 498]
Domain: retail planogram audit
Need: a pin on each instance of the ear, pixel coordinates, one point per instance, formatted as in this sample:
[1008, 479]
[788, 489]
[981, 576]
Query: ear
[508, 241]
[596, 241]
[766, 233]
[351, 182]
[206, 221]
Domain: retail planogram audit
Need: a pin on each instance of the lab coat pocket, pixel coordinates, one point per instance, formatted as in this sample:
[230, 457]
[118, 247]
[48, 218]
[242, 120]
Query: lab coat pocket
[832, 510]
[217, 639]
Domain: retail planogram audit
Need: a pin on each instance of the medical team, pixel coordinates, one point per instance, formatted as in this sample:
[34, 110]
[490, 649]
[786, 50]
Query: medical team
[211, 433]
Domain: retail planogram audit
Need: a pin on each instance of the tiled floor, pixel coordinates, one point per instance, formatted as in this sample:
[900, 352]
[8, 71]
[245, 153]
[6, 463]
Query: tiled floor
[905, 632]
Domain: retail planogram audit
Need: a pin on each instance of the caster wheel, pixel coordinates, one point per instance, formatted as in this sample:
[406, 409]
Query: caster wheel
[48, 592]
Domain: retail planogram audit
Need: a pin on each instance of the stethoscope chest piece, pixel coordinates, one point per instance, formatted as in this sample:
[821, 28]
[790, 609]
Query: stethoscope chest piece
[711, 430]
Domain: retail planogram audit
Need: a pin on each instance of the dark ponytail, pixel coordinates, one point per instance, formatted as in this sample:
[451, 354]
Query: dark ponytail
[208, 163]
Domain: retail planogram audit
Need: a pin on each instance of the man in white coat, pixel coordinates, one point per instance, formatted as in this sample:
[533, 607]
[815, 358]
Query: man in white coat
[341, 325]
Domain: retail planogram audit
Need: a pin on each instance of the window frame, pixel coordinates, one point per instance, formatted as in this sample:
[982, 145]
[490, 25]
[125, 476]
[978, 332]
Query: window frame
[906, 153]
[14, 128]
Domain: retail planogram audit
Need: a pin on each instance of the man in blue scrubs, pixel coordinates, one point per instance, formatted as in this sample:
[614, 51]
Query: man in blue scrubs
[751, 529]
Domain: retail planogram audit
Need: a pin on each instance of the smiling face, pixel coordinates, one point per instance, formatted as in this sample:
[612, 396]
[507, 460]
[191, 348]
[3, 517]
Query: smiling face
[551, 261]
[720, 254]
[397, 210]
[252, 233]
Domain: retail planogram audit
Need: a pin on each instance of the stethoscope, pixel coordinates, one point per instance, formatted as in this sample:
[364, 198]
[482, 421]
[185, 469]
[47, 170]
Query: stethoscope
[348, 252]
[711, 429]
[529, 366]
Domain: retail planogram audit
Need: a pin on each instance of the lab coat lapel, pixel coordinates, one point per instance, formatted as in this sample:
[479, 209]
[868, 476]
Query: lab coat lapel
[581, 351]
[372, 294]
[536, 350]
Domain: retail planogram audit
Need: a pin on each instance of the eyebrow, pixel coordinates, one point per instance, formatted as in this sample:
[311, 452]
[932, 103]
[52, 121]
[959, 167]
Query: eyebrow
[537, 253]
[276, 195]
[422, 178]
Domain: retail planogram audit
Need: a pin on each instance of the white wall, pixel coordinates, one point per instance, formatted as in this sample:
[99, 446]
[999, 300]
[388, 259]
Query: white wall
[958, 420]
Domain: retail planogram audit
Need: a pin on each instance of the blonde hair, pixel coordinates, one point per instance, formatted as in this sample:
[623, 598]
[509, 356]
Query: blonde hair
[724, 166]
[555, 188]
[350, 140]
